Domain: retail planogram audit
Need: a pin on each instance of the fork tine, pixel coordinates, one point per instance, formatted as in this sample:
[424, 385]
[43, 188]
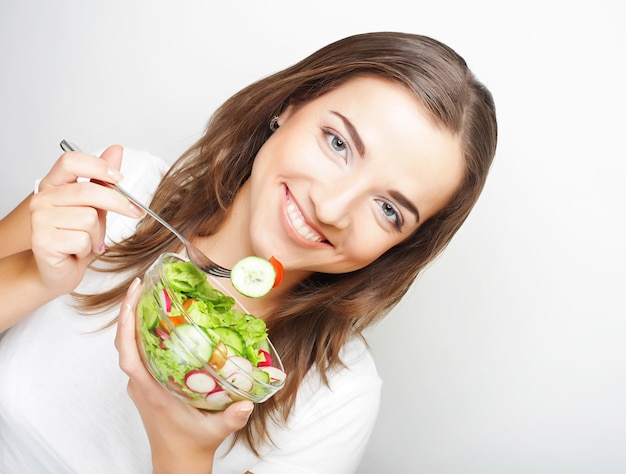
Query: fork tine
[220, 274]
[216, 270]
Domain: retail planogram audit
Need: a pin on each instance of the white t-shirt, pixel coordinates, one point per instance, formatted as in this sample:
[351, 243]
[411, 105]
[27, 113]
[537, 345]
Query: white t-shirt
[64, 406]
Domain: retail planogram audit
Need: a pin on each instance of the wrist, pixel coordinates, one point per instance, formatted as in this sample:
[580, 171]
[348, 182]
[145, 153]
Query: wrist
[189, 463]
[21, 288]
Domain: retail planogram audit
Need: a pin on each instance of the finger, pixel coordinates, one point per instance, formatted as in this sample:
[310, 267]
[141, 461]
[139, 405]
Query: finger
[99, 245]
[73, 165]
[125, 341]
[57, 244]
[82, 219]
[47, 218]
[140, 381]
[236, 415]
[112, 156]
[85, 194]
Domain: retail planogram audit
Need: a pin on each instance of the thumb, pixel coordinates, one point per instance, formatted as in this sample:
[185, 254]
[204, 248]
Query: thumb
[236, 415]
[113, 156]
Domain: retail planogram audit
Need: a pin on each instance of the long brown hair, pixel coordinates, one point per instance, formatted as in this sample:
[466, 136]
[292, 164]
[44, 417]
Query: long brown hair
[318, 316]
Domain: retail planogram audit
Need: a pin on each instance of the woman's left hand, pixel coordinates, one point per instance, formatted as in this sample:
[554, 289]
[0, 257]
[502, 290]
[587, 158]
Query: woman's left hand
[182, 438]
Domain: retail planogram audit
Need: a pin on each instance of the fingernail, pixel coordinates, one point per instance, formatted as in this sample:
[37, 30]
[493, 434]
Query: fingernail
[135, 211]
[114, 174]
[133, 286]
[101, 248]
[245, 411]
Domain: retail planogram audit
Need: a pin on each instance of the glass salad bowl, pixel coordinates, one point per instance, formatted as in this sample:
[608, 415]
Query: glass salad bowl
[199, 342]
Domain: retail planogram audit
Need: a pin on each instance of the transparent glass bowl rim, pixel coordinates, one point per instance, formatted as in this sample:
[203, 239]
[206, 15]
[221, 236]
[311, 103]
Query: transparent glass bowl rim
[268, 388]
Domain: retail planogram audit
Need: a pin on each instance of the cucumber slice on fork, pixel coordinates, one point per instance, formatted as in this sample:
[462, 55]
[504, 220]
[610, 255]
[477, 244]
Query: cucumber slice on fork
[253, 276]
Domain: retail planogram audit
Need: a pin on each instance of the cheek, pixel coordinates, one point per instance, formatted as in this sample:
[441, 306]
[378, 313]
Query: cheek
[295, 144]
[364, 248]
[274, 157]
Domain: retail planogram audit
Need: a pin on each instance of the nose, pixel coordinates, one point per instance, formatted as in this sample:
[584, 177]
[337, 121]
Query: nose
[335, 202]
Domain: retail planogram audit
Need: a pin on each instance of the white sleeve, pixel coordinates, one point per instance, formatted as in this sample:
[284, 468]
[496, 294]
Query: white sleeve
[331, 427]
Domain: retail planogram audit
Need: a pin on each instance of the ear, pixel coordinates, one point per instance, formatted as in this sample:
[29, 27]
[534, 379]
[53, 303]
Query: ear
[285, 114]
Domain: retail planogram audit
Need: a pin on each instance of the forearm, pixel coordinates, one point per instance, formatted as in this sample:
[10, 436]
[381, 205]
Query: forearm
[15, 231]
[21, 288]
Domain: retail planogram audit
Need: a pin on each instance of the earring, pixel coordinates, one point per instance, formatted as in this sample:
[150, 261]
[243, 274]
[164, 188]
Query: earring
[274, 123]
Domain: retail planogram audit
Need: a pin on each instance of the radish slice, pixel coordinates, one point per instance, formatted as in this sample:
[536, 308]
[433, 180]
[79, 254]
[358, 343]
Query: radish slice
[200, 381]
[277, 376]
[166, 301]
[237, 364]
[267, 359]
[162, 334]
[218, 400]
[240, 380]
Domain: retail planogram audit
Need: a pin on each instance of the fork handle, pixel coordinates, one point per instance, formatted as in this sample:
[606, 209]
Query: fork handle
[67, 146]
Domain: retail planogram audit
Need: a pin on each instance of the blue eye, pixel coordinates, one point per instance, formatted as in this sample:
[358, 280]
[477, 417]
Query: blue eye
[391, 213]
[336, 143]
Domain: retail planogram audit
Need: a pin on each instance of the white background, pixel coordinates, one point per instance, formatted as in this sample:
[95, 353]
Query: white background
[508, 355]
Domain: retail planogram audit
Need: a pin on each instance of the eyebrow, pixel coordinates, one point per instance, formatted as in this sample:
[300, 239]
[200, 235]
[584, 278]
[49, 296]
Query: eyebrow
[360, 146]
[354, 135]
[404, 202]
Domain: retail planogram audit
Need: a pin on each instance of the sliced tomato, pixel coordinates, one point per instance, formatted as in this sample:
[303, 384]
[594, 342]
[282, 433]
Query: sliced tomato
[187, 303]
[175, 320]
[278, 268]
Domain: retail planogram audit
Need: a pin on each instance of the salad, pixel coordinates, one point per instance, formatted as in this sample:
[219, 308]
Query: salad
[198, 345]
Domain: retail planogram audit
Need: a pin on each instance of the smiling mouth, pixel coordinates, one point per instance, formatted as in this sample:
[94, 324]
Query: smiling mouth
[299, 224]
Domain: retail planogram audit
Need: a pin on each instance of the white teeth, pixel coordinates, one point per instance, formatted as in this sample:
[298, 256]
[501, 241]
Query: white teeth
[298, 222]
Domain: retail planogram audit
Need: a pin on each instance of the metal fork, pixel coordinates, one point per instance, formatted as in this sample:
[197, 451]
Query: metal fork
[196, 255]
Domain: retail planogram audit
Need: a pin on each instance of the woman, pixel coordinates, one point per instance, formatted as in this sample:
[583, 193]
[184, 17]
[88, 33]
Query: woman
[354, 167]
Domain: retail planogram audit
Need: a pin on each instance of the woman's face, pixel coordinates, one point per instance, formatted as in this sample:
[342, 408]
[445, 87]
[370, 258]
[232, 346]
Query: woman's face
[348, 176]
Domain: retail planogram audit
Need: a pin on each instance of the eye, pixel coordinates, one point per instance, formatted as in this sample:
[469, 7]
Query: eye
[391, 213]
[336, 143]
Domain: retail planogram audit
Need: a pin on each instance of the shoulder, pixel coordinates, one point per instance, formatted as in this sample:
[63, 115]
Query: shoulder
[142, 172]
[330, 426]
[356, 352]
[352, 387]
[359, 374]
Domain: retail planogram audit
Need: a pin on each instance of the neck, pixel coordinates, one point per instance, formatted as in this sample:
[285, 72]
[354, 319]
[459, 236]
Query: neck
[226, 250]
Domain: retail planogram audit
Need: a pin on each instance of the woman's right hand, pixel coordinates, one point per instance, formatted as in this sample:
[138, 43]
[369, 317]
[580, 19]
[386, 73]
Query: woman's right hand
[68, 216]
